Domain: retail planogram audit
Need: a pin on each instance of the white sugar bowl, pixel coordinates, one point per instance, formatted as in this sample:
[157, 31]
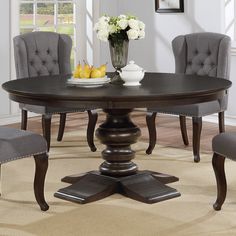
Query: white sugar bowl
[132, 74]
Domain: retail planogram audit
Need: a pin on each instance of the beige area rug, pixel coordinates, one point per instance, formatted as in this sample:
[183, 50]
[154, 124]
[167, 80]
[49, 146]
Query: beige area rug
[190, 214]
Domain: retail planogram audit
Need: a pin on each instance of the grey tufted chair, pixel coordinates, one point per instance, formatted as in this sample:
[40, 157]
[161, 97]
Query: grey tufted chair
[203, 54]
[17, 144]
[223, 146]
[41, 54]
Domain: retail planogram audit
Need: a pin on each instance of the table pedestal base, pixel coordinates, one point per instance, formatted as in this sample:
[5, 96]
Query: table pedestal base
[144, 186]
[118, 173]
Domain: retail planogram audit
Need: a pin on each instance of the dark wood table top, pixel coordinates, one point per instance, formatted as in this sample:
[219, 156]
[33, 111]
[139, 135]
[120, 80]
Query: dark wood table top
[157, 89]
[118, 132]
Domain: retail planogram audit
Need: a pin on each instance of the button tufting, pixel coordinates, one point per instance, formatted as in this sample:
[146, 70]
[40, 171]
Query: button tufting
[36, 52]
[31, 63]
[209, 53]
[48, 51]
[38, 73]
[202, 64]
[55, 61]
[43, 62]
[196, 51]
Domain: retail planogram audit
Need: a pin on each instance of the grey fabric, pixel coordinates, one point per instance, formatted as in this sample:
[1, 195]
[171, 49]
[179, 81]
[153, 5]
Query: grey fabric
[225, 145]
[195, 110]
[42, 53]
[201, 54]
[16, 144]
[47, 110]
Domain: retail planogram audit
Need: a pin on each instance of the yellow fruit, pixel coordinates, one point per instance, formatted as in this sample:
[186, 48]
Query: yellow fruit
[96, 73]
[85, 74]
[103, 73]
[76, 74]
[103, 69]
[87, 66]
[78, 68]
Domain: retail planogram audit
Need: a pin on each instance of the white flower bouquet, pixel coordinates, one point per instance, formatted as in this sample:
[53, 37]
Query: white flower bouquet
[123, 27]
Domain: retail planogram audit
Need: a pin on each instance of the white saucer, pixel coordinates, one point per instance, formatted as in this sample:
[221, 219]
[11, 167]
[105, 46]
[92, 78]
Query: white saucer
[88, 83]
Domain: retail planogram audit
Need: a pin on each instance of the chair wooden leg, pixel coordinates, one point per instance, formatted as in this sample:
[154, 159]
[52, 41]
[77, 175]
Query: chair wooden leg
[183, 127]
[0, 179]
[61, 126]
[150, 120]
[24, 118]
[221, 117]
[219, 169]
[93, 116]
[197, 128]
[41, 166]
[46, 125]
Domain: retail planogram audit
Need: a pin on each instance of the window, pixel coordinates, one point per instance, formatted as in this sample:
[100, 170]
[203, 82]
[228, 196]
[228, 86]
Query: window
[49, 15]
[230, 20]
[73, 17]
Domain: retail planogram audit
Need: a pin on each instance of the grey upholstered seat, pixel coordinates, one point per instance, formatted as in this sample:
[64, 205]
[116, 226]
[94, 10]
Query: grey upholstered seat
[223, 146]
[47, 53]
[196, 110]
[203, 54]
[16, 144]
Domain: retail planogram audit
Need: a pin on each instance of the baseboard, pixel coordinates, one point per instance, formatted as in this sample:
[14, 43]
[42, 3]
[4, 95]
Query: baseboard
[229, 120]
[14, 118]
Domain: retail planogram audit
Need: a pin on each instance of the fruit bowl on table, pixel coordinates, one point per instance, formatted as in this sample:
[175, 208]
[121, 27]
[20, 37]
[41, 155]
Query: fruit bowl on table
[88, 82]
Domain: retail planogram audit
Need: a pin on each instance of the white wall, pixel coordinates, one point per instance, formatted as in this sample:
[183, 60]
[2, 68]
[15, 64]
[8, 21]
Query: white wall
[9, 111]
[162, 28]
[110, 8]
[4, 56]
[154, 52]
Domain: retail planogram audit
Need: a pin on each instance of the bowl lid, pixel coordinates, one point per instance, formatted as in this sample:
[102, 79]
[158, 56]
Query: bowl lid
[132, 67]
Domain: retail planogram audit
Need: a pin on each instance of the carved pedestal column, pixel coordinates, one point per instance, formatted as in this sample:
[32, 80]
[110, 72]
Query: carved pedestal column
[118, 174]
[118, 132]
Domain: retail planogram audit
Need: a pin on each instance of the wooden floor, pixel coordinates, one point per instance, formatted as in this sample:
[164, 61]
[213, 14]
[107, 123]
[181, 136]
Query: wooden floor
[167, 128]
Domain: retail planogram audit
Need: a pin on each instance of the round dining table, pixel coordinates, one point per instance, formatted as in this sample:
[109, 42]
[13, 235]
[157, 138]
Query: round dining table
[118, 173]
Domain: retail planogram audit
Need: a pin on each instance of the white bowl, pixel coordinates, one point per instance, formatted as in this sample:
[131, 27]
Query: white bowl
[132, 79]
[132, 74]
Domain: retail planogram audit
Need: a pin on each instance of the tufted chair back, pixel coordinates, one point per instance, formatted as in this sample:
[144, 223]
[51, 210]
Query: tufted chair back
[202, 54]
[42, 53]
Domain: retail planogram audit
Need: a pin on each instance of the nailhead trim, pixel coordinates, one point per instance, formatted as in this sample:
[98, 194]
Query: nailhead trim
[21, 157]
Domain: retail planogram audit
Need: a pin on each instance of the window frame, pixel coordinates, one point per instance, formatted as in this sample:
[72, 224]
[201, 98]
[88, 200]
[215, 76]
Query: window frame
[80, 25]
[55, 24]
[81, 22]
[224, 27]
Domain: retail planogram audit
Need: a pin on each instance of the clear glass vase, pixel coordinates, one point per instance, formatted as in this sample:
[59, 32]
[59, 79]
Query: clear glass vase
[119, 56]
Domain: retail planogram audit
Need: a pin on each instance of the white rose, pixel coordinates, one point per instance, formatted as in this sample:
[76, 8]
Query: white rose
[112, 29]
[104, 19]
[141, 25]
[103, 25]
[123, 24]
[134, 24]
[96, 27]
[133, 34]
[122, 16]
[141, 34]
[103, 35]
